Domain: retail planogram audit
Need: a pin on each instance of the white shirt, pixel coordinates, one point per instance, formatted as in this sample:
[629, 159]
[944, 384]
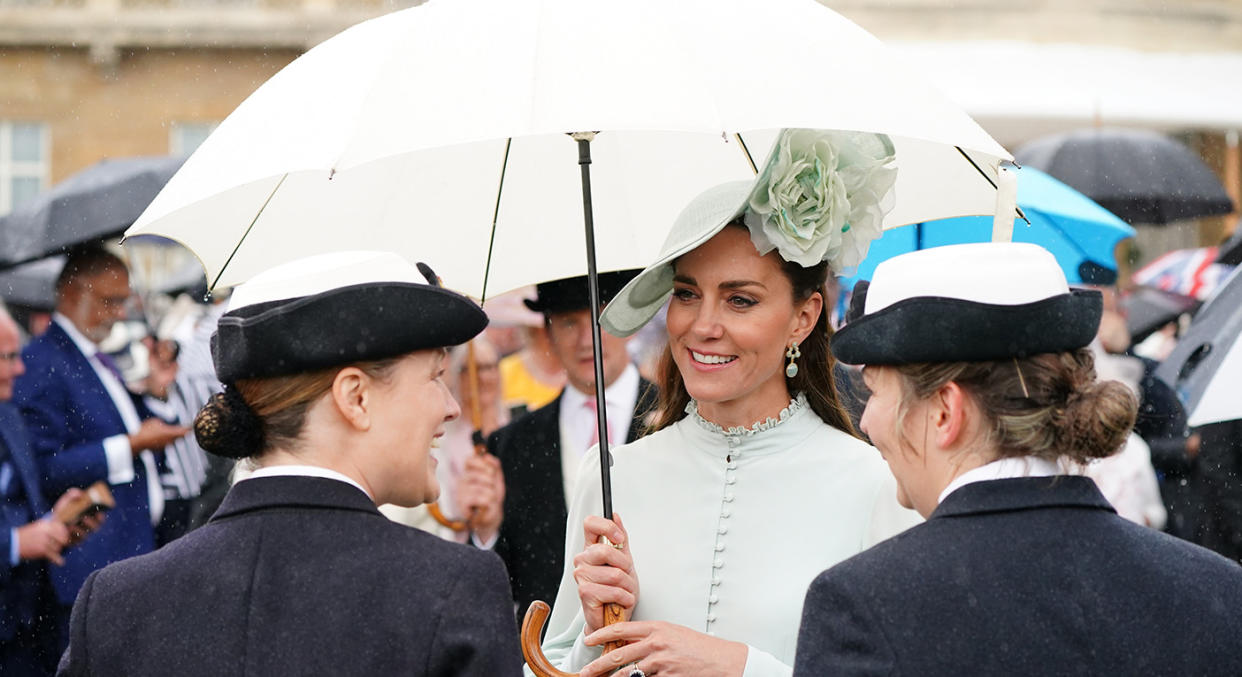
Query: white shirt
[578, 424]
[303, 471]
[729, 528]
[1005, 468]
[117, 452]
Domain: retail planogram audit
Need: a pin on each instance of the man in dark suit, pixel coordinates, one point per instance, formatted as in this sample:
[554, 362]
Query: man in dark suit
[85, 426]
[28, 534]
[539, 452]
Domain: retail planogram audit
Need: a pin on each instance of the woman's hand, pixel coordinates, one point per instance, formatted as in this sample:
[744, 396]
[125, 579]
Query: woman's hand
[605, 571]
[480, 495]
[665, 649]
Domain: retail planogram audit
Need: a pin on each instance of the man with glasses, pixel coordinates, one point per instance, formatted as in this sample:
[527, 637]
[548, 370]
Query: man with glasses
[540, 452]
[85, 425]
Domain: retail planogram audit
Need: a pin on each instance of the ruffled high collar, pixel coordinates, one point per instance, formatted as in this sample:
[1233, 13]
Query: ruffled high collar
[794, 422]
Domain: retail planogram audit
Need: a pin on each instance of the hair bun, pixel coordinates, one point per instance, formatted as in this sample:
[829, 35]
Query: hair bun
[227, 426]
[1097, 420]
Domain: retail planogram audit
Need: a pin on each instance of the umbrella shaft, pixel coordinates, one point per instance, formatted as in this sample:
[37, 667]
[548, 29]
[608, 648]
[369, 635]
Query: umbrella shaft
[605, 460]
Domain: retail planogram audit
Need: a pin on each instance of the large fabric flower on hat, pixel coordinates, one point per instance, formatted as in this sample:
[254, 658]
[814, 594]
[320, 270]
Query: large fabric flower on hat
[822, 196]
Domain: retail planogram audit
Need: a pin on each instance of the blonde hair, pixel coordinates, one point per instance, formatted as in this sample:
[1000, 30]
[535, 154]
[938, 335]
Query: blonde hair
[1049, 406]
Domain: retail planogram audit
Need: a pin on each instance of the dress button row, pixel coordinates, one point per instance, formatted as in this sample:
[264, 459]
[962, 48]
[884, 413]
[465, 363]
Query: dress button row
[717, 564]
[711, 618]
[728, 497]
[719, 547]
[713, 599]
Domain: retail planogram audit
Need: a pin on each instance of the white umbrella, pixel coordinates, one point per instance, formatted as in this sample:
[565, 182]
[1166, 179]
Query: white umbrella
[398, 133]
[440, 132]
[1206, 366]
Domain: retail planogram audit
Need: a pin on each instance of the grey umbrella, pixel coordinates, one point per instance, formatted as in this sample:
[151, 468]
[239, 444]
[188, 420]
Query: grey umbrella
[32, 285]
[1206, 367]
[1148, 309]
[1139, 175]
[98, 202]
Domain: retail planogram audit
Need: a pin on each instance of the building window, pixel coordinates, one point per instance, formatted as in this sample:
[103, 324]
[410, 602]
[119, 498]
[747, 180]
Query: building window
[184, 137]
[24, 165]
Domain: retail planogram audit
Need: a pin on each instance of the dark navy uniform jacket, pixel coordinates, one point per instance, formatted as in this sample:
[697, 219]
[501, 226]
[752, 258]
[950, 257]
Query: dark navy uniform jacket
[297, 576]
[21, 502]
[1026, 576]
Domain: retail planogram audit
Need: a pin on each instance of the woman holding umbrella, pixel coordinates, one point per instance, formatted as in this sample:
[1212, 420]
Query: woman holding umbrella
[333, 371]
[1021, 568]
[753, 480]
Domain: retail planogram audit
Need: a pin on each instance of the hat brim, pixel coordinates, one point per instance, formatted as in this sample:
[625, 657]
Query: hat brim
[937, 329]
[357, 323]
[642, 298]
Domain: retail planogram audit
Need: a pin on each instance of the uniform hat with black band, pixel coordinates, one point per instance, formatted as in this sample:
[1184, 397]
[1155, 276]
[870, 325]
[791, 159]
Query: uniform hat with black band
[966, 303]
[337, 309]
[571, 294]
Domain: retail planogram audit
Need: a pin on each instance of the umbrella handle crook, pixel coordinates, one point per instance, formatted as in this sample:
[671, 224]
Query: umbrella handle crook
[480, 447]
[532, 628]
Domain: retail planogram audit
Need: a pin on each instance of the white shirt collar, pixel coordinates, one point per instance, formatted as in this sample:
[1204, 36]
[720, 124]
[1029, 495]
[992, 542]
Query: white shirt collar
[1022, 466]
[618, 394]
[85, 345]
[304, 471]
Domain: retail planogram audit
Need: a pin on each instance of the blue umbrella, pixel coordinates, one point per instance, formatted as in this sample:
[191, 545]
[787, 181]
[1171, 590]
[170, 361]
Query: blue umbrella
[1079, 233]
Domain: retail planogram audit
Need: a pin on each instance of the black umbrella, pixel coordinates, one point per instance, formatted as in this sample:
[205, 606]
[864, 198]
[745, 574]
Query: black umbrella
[98, 202]
[32, 285]
[1231, 251]
[1141, 176]
[1149, 309]
[1206, 367]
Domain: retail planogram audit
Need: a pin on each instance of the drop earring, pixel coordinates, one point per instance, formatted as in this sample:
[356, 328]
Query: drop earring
[792, 352]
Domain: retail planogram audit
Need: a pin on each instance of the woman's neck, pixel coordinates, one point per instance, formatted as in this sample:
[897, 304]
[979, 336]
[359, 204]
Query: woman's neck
[743, 412]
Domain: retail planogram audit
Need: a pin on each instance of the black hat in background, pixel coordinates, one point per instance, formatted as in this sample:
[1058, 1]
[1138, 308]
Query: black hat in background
[337, 309]
[966, 303]
[571, 294]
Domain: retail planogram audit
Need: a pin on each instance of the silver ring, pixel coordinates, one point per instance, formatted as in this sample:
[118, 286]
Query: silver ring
[636, 671]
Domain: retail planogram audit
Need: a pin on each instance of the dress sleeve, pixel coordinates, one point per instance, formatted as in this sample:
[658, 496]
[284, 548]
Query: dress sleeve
[564, 640]
[760, 663]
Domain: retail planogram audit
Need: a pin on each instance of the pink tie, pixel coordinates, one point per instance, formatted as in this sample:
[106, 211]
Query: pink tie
[593, 408]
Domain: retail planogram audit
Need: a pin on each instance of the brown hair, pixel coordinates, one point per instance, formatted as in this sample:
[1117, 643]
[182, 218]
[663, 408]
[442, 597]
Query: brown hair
[1049, 406]
[815, 376]
[254, 415]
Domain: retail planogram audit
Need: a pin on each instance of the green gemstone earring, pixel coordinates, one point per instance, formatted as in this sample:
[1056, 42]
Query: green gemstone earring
[792, 352]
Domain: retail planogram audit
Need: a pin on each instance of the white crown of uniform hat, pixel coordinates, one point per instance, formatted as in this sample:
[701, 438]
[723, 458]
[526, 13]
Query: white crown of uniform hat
[338, 308]
[966, 303]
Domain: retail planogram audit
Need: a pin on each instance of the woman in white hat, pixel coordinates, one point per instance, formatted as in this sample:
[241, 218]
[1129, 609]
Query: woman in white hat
[333, 371]
[754, 479]
[982, 393]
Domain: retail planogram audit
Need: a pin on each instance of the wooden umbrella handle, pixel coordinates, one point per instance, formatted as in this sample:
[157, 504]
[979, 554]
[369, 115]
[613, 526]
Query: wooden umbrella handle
[532, 628]
[480, 447]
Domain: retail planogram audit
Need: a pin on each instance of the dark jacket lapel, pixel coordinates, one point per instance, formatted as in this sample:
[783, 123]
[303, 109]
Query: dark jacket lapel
[19, 453]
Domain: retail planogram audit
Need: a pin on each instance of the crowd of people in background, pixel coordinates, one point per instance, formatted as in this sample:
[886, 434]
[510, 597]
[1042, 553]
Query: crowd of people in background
[97, 390]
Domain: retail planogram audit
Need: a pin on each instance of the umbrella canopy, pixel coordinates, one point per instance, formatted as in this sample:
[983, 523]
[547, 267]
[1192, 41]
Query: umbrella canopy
[1078, 232]
[1188, 272]
[399, 134]
[1231, 251]
[1139, 175]
[1149, 309]
[1206, 366]
[32, 285]
[98, 202]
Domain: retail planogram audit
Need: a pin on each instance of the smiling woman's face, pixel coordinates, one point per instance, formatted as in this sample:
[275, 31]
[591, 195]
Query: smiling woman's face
[411, 411]
[730, 320]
